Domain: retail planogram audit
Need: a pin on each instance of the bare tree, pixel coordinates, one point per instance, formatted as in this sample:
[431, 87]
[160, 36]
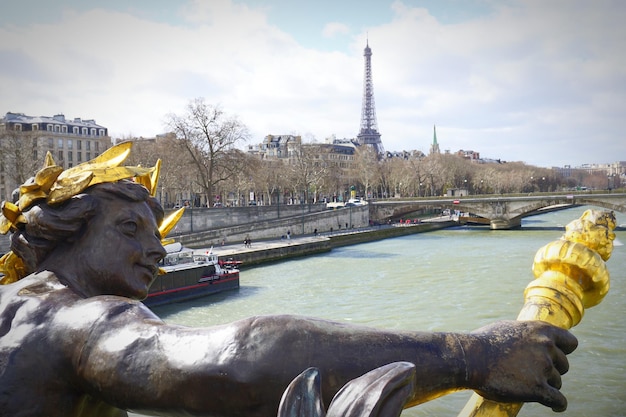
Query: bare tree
[366, 168]
[417, 167]
[174, 182]
[19, 156]
[307, 168]
[271, 179]
[209, 137]
[433, 182]
[400, 177]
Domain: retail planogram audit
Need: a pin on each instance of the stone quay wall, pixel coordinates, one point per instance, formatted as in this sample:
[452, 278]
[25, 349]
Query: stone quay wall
[303, 223]
[203, 219]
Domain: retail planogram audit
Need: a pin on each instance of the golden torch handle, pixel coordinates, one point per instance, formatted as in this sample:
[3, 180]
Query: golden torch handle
[571, 276]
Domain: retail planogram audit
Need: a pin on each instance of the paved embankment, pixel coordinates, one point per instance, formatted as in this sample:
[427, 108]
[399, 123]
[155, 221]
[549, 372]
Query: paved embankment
[277, 250]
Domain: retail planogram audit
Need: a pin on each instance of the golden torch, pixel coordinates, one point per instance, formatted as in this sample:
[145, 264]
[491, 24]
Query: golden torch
[571, 275]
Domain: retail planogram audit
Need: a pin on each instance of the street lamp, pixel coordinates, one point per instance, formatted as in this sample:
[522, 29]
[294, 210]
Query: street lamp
[350, 208]
[302, 204]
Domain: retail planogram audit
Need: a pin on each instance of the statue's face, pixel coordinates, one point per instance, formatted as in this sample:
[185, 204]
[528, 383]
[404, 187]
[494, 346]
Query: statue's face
[120, 250]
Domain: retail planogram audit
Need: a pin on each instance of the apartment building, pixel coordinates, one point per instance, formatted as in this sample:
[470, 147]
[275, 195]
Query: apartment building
[25, 140]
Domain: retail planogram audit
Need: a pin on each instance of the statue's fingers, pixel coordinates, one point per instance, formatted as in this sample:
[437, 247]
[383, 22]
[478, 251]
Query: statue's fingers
[555, 400]
[560, 361]
[565, 341]
[554, 379]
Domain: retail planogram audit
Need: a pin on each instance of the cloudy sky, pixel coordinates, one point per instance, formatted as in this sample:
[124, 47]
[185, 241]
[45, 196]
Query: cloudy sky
[538, 81]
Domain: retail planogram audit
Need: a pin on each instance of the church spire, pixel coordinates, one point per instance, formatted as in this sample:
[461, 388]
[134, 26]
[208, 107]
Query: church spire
[434, 147]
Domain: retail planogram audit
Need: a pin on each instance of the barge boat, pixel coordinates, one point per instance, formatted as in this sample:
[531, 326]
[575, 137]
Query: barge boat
[190, 275]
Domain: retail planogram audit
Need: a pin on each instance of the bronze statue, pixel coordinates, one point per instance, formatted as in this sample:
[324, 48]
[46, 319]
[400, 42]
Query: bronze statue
[76, 341]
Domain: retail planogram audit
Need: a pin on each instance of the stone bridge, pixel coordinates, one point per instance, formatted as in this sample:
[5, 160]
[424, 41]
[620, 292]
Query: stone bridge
[501, 212]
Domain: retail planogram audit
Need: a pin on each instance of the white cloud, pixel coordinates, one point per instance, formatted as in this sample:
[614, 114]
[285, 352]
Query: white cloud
[333, 29]
[516, 84]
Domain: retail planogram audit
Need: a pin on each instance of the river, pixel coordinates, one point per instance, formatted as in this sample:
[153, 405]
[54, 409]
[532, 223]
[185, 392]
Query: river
[455, 279]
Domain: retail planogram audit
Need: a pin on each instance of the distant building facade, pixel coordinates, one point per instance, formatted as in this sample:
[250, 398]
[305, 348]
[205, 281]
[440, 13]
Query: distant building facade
[335, 152]
[25, 140]
[616, 168]
[340, 152]
[276, 146]
[333, 155]
[467, 154]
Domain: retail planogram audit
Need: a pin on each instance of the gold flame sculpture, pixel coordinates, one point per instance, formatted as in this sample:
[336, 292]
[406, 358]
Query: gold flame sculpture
[571, 275]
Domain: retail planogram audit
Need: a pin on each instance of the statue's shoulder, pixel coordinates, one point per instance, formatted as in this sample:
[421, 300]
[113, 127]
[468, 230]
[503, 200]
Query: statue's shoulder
[37, 285]
[45, 289]
[109, 312]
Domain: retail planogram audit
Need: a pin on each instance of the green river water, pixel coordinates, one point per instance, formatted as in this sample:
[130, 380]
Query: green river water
[455, 279]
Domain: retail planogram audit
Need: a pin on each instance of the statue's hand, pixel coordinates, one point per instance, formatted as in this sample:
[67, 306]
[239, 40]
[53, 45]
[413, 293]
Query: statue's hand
[519, 361]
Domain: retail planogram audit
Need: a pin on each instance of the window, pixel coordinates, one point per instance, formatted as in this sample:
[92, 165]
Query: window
[75, 130]
[35, 127]
[50, 143]
[79, 157]
[60, 154]
[49, 128]
[85, 130]
[88, 157]
[57, 128]
[79, 144]
[93, 131]
[88, 143]
[97, 144]
[101, 132]
[70, 156]
[69, 144]
[64, 129]
[35, 154]
[60, 143]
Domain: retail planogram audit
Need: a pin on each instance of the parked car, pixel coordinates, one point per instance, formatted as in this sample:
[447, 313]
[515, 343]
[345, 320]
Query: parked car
[356, 202]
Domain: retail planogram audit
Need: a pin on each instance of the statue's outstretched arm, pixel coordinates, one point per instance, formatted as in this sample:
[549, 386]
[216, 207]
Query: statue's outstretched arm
[243, 368]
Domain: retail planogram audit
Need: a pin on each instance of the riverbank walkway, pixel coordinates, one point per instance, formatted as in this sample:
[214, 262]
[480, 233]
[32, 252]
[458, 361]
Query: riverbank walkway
[268, 250]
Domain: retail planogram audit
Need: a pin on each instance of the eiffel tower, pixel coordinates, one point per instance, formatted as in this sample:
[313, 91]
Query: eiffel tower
[369, 130]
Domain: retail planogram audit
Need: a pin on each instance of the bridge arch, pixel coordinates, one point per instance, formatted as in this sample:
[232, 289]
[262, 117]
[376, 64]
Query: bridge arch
[503, 212]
